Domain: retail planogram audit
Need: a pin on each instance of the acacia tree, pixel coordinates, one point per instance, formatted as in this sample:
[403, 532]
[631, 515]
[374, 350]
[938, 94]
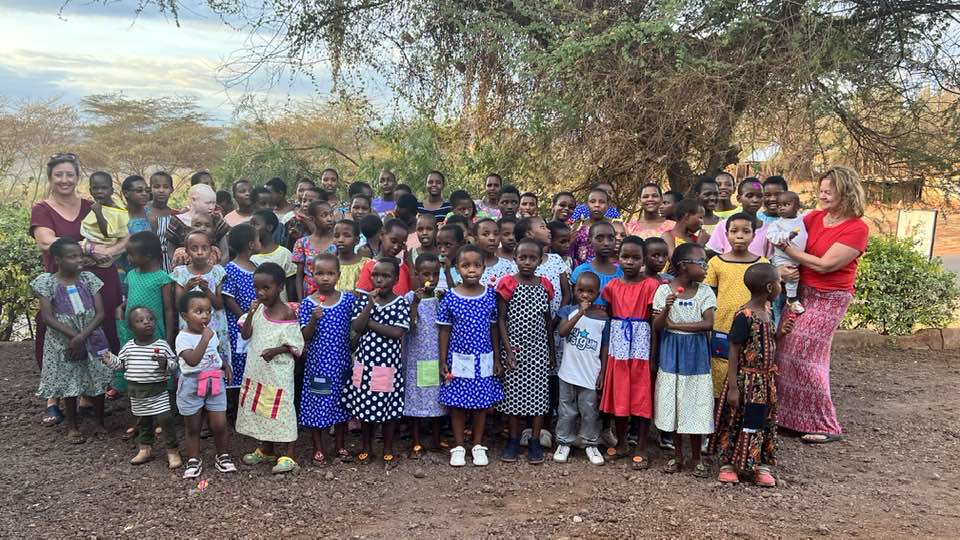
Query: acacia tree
[626, 90]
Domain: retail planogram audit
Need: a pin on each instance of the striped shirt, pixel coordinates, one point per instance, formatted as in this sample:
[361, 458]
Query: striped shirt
[137, 362]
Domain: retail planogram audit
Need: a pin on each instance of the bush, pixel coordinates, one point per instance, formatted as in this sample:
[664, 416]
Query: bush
[898, 290]
[19, 264]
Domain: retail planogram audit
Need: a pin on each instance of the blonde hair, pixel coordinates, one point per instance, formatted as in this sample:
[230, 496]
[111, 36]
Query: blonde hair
[846, 182]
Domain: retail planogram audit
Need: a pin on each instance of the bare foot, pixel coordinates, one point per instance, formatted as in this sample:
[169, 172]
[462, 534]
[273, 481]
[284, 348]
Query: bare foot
[100, 429]
[75, 437]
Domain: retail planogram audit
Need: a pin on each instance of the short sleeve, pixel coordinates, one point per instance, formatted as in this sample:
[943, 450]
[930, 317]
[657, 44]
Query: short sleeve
[164, 348]
[365, 281]
[854, 235]
[43, 286]
[288, 266]
[402, 311]
[91, 282]
[179, 275]
[548, 286]
[444, 313]
[740, 330]
[293, 338]
[41, 216]
[506, 287]
[660, 297]
[718, 241]
[304, 311]
[607, 292]
[713, 272]
[186, 341]
[708, 300]
[576, 273]
[229, 286]
[565, 311]
[358, 306]
[299, 255]
[605, 336]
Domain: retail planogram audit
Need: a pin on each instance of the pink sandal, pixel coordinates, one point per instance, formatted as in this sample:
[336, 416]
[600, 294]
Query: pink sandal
[763, 478]
[728, 475]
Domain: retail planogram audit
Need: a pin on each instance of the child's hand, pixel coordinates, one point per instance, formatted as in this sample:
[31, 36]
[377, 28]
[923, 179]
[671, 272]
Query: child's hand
[671, 298]
[105, 357]
[733, 397]
[76, 347]
[441, 293]
[161, 360]
[317, 313]
[254, 305]
[418, 295]
[227, 372]
[196, 281]
[118, 313]
[512, 358]
[787, 326]
[584, 306]
[599, 385]
[497, 368]
[269, 354]
[207, 333]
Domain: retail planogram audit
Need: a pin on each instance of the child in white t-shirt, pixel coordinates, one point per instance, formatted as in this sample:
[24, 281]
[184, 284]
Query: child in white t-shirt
[789, 227]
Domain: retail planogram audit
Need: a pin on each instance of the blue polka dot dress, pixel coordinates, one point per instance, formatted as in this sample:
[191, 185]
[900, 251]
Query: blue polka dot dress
[239, 285]
[374, 392]
[470, 354]
[326, 362]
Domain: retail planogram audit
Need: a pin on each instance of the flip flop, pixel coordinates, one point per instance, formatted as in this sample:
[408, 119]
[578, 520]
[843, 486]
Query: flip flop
[363, 457]
[673, 466]
[700, 471]
[416, 452]
[640, 463]
[319, 459]
[130, 433]
[75, 438]
[53, 417]
[344, 455]
[826, 438]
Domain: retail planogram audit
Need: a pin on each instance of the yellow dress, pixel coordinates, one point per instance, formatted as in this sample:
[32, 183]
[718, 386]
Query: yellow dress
[727, 213]
[349, 274]
[727, 278]
[283, 258]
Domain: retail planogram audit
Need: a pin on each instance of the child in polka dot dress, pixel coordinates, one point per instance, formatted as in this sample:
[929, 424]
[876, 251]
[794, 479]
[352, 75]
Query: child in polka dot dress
[468, 337]
[375, 391]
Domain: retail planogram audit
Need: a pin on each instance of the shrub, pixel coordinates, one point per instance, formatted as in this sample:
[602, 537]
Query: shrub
[899, 290]
[19, 264]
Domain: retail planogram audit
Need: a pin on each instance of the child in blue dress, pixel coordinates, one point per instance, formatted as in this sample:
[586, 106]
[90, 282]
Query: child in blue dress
[468, 338]
[238, 292]
[422, 368]
[325, 323]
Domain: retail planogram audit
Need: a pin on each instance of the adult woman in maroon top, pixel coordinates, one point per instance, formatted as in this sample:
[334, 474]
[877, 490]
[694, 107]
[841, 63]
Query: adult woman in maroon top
[837, 238]
[61, 214]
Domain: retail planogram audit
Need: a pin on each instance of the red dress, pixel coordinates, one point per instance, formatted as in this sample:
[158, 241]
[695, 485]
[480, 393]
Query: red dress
[628, 382]
[365, 281]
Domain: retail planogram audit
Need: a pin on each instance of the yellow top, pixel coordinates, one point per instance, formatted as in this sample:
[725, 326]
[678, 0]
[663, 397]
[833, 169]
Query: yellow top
[116, 220]
[727, 213]
[349, 274]
[727, 278]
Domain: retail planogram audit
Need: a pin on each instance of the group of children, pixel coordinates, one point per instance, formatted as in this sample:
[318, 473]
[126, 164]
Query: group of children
[313, 315]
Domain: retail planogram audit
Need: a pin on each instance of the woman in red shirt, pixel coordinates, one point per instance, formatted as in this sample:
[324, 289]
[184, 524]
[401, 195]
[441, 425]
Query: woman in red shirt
[837, 238]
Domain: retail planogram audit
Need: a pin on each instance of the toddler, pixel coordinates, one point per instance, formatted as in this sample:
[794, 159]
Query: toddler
[788, 227]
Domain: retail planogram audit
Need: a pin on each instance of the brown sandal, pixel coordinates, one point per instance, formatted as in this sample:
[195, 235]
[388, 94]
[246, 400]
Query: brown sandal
[673, 466]
[416, 452]
[640, 463]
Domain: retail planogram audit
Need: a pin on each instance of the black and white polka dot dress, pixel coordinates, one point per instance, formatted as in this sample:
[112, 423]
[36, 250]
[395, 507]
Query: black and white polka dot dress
[374, 392]
[525, 389]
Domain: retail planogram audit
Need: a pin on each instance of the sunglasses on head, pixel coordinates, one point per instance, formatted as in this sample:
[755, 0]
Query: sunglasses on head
[64, 155]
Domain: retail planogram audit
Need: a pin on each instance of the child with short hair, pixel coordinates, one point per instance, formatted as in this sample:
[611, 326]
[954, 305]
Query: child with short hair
[563, 205]
[266, 223]
[668, 206]
[202, 222]
[106, 224]
[688, 227]
[346, 234]
[581, 248]
[300, 223]
[449, 242]
[509, 202]
[370, 228]
[381, 318]
[560, 240]
[200, 275]
[239, 293]
[422, 369]
[266, 408]
[393, 242]
[602, 240]
[526, 329]
[469, 365]
[788, 228]
[487, 236]
[508, 240]
[529, 206]
[684, 312]
[585, 327]
[325, 324]
[71, 307]
[202, 371]
[746, 418]
[359, 206]
[308, 247]
[461, 204]
[426, 233]
[146, 363]
[203, 200]
[148, 286]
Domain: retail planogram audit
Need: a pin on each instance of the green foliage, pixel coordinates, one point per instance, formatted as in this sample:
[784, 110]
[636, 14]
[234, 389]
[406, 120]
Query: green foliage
[19, 264]
[898, 290]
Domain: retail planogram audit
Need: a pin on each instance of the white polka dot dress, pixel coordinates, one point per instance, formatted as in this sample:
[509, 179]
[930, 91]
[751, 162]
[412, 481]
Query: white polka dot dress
[525, 389]
[374, 392]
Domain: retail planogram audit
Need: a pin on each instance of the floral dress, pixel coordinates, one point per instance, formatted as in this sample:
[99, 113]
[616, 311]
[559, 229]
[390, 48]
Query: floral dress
[238, 285]
[327, 359]
[525, 388]
[552, 269]
[747, 443]
[375, 390]
[218, 319]
[60, 376]
[265, 411]
[421, 367]
[304, 253]
[470, 353]
[493, 274]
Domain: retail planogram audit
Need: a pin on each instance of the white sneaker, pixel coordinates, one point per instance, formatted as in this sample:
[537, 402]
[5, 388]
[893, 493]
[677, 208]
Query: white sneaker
[562, 453]
[479, 455]
[594, 455]
[458, 456]
[608, 438]
[525, 437]
[546, 439]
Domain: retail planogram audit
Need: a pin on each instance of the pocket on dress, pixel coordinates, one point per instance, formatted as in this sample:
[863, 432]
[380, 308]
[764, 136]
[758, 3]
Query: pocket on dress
[463, 365]
[381, 378]
[357, 375]
[320, 386]
[428, 373]
[486, 365]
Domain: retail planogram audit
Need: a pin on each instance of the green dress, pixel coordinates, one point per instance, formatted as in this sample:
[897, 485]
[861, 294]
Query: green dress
[143, 290]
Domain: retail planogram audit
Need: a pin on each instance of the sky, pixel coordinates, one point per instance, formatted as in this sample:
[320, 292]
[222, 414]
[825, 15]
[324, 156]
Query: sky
[69, 49]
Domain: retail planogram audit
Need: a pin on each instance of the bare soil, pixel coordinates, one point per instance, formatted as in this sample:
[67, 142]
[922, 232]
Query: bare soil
[894, 475]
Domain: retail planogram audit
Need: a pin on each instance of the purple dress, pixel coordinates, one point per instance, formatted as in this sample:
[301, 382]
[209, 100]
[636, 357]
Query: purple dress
[422, 394]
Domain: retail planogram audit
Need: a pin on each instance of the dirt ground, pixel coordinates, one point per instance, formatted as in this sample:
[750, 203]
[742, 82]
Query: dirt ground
[890, 477]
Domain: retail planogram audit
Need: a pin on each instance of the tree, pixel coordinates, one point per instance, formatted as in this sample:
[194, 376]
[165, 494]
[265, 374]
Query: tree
[134, 136]
[30, 132]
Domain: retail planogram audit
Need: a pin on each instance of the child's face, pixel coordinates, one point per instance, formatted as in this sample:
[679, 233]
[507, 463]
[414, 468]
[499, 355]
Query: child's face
[655, 257]
[528, 206]
[383, 276]
[388, 183]
[694, 222]
[492, 187]
[264, 202]
[101, 189]
[539, 231]
[136, 257]
[560, 241]
[302, 187]
[266, 288]
[261, 226]
[344, 238]
[434, 185]
[392, 242]
[668, 206]
[464, 208]
[428, 274]
[788, 206]
[696, 265]
[725, 186]
[470, 266]
[323, 217]
[604, 241]
[740, 234]
[208, 180]
[138, 194]
[305, 199]
[359, 207]
[564, 207]
[508, 204]
[71, 260]
[160, 189]
[197, 316]
[142, 322]
[751, 197]
[488, 237]
[773, 290]
[771, 197]
[255, 246]
[507, 240]
[709, 196]
[241, 194]
[527, 259]
[619, 233]
[198, 247]
[586, 290]
[426, 232]
[325, 274]
[631, 259]
[447, 245]
[203, 202]
[597, 204]
[328, 182]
